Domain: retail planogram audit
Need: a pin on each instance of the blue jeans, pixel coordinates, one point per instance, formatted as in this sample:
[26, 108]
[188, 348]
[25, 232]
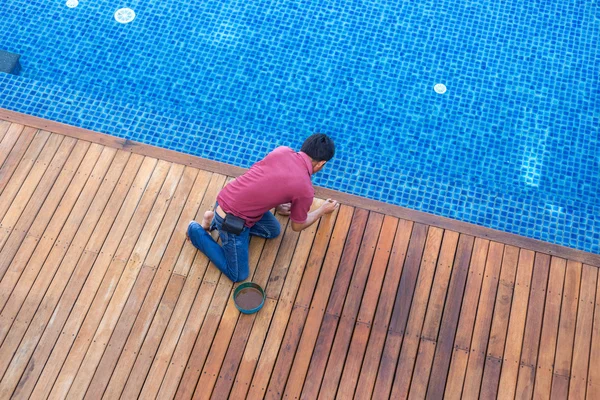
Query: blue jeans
[232, 257]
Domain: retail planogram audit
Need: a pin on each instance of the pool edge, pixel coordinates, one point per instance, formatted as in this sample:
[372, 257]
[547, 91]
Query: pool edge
[353, 200]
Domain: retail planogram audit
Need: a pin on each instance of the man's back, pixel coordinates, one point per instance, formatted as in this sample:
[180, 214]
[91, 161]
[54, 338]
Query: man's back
[283, 176]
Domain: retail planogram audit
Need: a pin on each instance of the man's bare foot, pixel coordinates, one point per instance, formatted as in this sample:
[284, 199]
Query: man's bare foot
[207, 219]
[284, 209]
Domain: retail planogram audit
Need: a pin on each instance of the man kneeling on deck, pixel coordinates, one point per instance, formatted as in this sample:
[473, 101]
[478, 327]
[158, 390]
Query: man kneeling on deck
[282, 180]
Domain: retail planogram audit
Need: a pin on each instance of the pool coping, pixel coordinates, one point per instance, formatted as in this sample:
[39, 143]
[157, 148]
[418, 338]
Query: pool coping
[345, 198]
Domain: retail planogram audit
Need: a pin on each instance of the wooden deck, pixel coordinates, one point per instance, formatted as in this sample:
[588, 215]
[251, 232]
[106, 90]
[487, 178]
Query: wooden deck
[101, 296]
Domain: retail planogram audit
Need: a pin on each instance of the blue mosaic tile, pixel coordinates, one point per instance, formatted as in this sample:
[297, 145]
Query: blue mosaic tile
[514, 144]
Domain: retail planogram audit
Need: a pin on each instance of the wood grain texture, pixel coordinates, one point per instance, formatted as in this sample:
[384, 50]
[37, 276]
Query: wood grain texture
[368, 373]
[136, 321]
[13, 158]
[400, 313]
[468, 312]
[533, 327]
[102, 296]
[441, 360]
[593, 388]
[497, 340]
[349, 313]
[366, 314]
[325, 254]
[566, 332]
[424, 351]
[483, 321]
[583, 334]
[332, 288]
[543, 377]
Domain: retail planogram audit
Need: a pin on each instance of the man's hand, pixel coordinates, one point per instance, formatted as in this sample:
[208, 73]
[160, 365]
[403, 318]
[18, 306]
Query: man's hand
[329, 206]
[284, 209]
[326, 208]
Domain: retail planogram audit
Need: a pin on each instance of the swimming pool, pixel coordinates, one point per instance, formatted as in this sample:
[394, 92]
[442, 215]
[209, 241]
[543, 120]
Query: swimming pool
[514, 143]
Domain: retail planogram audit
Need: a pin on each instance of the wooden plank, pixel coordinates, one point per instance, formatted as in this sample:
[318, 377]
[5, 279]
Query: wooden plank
[483, 322]
[211, 382]
[123, 144]
[346, 322]
[583, 334]
[159, 323]
[414, 325]
[133, 324]
[94, 255]
[345, 198]
[413, 356]
[502, 308]
[193, 282]
[216, 315]
[304, 255]
[400, 313]
[327, 285]
[468, 312]
[252, 352]
[96, 339]
[14, 158]
[593, 389]
[25, 164]
[161, 227]
[225, 320]
[8, 141]
[441, 361]
[231, 338]
[123, 362]
[411, 301]
[164, 376]
[328, 239]
[23, 240]
[300, 338]
[188, 253]
[533, 327]
[89, 308]
[366, 314]
[35, 188]
[62, 259]
[18, 192]
[566, 332]
[211, 284]
[131, 314]
[253, 341]
[516, 326]
[47, 234]
[56, 288]
[368, 372]
[543, 377]
[52, 247]
[136, 380]
[19, 188]
[354, 275]
[4, 125]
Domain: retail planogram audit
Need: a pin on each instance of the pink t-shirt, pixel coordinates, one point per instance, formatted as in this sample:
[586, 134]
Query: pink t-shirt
[283, 176]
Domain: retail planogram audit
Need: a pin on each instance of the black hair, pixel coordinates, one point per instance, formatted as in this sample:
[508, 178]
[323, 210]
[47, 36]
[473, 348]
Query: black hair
[319, 147]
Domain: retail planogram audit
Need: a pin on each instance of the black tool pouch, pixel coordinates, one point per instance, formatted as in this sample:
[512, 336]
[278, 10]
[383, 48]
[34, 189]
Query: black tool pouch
[233, 224]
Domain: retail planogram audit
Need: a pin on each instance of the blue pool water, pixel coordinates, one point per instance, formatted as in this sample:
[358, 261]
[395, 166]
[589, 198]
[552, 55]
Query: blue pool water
[514, 143]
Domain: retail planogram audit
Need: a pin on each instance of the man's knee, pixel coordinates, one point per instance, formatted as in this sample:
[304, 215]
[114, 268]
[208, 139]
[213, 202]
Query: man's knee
[242, 276]
[275, 231]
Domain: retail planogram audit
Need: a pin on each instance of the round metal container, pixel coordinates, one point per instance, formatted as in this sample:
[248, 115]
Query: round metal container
[249, 297]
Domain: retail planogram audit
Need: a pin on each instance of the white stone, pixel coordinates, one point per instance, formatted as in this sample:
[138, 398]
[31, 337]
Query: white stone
[72, 3]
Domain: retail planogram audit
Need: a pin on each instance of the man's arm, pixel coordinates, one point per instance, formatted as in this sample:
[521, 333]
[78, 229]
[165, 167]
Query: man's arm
[326, 208]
